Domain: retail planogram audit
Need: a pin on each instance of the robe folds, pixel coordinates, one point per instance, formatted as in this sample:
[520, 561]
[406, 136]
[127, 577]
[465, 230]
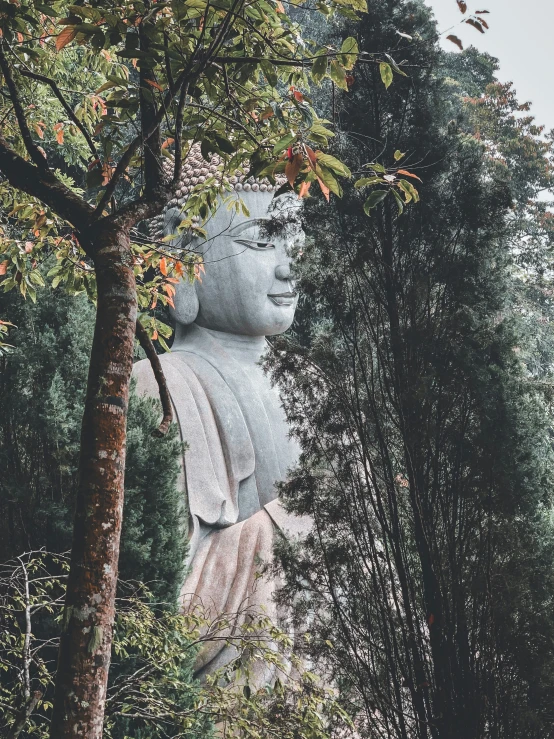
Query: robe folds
[238, 449]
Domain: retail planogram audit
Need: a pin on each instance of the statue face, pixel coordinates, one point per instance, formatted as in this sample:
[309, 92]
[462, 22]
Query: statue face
[247, 287]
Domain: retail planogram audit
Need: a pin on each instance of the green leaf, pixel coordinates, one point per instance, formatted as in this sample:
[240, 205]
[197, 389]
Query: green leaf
[47, 10]
[319, 68]
[224, 144]
[349, 53]
[374, 199]
[338, 75]
[368, 181]
[269, 71]
[333, 164]
[410, 190]
[376, 167]
[329, 179]
[398, 202]
[398, 155]
[284, 143]
[320, 130]
[386, 74]
[360, 5]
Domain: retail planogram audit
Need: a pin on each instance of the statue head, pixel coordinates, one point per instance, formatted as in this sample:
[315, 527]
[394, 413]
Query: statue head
[247, 287]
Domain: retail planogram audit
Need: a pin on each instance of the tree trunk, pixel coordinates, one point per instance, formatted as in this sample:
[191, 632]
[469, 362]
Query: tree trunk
[86, 640]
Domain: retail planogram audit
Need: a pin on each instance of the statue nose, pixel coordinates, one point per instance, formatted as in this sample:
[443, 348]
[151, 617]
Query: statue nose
[282, 272]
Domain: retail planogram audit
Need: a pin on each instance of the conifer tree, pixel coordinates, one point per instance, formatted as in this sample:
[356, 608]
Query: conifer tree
[427, 463]
[43, 384]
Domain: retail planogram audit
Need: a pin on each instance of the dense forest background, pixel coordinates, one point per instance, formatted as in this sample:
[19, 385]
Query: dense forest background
[418, 379]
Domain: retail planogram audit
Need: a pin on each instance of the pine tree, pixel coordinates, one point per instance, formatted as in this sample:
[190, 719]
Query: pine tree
[427, 462]
[43, 383]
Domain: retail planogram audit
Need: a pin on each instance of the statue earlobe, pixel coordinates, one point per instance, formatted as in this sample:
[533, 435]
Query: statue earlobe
[186, 302]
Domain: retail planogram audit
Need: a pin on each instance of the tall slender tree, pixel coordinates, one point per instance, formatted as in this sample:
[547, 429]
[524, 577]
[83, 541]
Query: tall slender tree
[426, 464]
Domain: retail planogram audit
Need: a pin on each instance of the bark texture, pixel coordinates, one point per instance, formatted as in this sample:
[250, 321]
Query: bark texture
[85, 646]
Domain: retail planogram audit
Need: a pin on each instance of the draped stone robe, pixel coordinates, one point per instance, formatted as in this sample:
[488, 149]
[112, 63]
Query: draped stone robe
[238, 449]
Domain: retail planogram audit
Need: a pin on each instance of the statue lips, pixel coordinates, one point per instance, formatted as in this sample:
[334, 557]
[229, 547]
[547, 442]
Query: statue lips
[287, 298]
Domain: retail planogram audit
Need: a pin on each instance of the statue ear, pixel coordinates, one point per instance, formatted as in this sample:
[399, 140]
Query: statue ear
[186, 302]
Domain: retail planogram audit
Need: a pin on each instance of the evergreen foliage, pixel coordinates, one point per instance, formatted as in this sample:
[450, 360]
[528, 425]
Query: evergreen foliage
[427, 460]
[43, 383]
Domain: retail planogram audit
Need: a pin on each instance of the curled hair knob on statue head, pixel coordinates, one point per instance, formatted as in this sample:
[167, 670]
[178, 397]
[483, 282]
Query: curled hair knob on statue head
[195, 171]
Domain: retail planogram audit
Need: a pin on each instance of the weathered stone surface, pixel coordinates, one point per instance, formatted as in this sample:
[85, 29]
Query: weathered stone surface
[228, 412]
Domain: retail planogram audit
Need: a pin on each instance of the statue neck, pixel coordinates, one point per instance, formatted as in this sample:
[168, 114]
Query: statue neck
[245, 349]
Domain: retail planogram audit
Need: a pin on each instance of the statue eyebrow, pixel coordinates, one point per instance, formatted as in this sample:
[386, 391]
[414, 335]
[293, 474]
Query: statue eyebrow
[245, 225]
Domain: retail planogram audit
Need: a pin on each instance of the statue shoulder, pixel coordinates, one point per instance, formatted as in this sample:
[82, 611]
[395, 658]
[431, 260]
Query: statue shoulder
[177, 375]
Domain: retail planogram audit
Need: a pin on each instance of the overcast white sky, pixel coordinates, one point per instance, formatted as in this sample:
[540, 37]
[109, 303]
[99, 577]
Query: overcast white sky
[521, 35]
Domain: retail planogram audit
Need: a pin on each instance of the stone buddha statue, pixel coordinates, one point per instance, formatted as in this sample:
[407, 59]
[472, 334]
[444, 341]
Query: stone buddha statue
[229, 414]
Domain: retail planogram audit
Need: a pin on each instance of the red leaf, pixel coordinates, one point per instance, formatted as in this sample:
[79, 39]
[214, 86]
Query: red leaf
[293, 168]
[163, 266]
[455, 40]
[475, 24]
[408, 174]
[431, 619]
[156, 85]
[65, 37]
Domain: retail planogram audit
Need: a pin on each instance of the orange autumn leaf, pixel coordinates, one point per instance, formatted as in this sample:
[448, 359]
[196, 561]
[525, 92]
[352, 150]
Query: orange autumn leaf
[58, 128]
[65, 37]
[324, 189]
[156, 85]
[167, 143]
[304, 187]
[169, 289]
[39, 128]
[408, 174]
[107, 172]
[163, 266]
[293, 168]
[155, 334]
[3, 267]
[280, 7]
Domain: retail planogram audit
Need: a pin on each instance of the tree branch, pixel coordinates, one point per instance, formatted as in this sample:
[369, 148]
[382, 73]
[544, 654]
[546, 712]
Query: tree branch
[44, 185]
[32, 149]
[150, 123]
[57, 92]
[23, 715]
[155, 363]
[178, 136]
